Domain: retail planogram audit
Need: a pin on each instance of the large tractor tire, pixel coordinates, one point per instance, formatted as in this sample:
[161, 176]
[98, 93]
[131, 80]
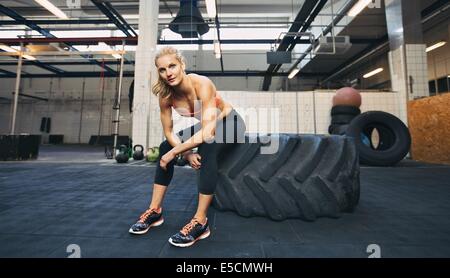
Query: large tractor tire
[308, 177]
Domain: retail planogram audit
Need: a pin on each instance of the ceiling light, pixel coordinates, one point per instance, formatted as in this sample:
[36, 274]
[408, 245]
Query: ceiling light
[358, 7]
[7, 48]
[372, 73]
[217, 50]
[293, 72]
[10, 49]
[52, 8]
[211, 8]
[117, 56]
[316, 49]
[29, 57]
[436, 45]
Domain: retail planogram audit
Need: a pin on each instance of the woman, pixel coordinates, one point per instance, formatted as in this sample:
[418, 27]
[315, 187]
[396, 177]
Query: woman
[220, 126]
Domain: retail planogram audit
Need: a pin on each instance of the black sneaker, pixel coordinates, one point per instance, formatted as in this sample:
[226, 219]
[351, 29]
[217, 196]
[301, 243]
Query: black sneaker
[150, 218]
[190, 233]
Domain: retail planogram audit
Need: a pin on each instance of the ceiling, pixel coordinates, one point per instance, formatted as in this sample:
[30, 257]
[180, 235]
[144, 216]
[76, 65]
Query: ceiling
[236, 17]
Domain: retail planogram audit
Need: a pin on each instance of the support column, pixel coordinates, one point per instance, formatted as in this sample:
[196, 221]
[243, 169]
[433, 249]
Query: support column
[146, 126]
[16, 93]
[407, 56]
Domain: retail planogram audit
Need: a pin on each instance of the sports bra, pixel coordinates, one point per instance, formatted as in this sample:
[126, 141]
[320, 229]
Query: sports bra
[217, 99]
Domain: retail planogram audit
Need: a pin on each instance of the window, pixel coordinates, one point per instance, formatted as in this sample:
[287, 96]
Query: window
[442, 84]
[432, 87]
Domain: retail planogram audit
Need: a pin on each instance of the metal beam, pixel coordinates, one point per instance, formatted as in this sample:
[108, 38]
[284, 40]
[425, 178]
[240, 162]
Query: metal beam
[67, 63]
[303, 20]
[17, 17]
[305, 27]
[11, 13]
[341, 13]
[435, 7]
[46, 67]
[35, 97]
[133, 41]
[119, 16]
[427, 14]
[369, 51]
[216, 20]
[57, 21]
[114, 16]
[131, 74]
[8, 73]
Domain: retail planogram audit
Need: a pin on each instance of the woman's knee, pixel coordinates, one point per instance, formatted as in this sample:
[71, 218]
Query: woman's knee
[207, 189]
[164, 147]
[207, 149]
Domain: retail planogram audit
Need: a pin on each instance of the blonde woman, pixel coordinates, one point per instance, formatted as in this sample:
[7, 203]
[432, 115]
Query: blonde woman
[219, 127]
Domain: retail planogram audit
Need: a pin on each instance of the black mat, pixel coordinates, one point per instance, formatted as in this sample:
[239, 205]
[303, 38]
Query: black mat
[47, 205]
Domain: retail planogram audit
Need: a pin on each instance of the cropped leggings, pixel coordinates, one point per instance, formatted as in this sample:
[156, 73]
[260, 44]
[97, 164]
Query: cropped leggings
[229, 131]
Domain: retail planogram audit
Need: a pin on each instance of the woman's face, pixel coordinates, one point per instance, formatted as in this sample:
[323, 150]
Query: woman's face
[170, 69]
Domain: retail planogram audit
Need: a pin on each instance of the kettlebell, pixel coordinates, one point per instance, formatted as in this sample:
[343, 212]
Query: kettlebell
[122, 156]
[152, 154]
[180, 161]
[138, 152]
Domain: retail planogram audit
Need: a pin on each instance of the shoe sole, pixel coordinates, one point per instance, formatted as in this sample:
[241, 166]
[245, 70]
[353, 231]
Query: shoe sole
[157, 223]
[202, 236]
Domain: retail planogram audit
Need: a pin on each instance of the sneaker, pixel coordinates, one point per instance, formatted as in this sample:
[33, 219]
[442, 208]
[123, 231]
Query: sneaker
[150, 218]
[190, 233]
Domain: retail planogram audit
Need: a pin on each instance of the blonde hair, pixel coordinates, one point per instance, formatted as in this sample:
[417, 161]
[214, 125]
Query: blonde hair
[161, 88]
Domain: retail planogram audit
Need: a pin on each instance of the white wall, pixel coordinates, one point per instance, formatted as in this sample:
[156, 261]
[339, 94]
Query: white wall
[71, 114]
[299, 112]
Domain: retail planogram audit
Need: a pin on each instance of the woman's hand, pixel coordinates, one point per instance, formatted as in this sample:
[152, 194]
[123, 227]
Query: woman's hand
[165, 159]
[194, 160]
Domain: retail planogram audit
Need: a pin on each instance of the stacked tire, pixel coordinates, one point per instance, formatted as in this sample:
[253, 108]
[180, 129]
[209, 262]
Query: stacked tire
[381, 139]
[393, 138]
[346, 103]
[341, 116]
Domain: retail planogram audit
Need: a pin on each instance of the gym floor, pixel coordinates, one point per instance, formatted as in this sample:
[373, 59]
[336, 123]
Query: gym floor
[73, 195]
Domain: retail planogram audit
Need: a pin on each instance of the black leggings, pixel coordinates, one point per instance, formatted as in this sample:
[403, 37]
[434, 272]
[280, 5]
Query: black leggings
[230, 130]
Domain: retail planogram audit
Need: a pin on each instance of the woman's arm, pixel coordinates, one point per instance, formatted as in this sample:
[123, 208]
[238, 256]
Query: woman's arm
[206, 94]
[167, 122]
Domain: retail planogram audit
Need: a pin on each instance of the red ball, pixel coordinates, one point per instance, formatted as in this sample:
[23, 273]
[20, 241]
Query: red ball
[347, 96]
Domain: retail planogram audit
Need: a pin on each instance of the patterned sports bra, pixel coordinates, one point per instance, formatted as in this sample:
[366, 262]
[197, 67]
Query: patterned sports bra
[192, 114]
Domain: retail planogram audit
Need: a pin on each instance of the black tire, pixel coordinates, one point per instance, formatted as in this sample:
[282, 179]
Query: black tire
[342, 119]
[345, 109]
[331, 128]
[339, 129]
[309, 177]
[395, 139]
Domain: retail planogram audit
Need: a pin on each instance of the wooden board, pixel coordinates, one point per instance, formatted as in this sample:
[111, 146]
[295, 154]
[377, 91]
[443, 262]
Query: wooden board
[429, 124]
